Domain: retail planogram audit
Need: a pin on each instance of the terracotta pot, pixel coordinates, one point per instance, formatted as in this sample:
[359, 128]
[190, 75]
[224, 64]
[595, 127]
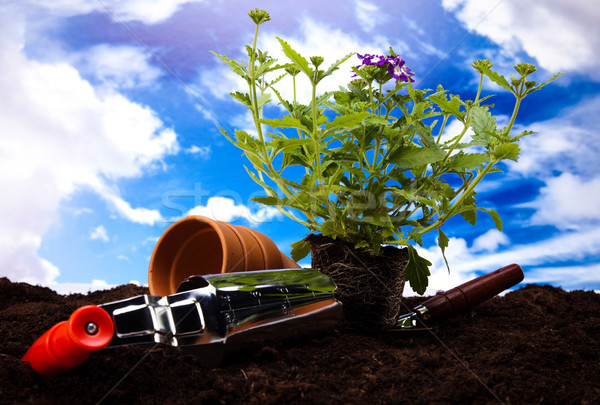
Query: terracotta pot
[198, 245]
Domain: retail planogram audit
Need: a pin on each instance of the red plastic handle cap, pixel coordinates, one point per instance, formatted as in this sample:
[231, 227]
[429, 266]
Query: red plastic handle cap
[69, 343]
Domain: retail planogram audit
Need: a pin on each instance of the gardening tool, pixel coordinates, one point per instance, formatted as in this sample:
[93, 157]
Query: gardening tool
[462, 298]
[220, 314]
[211, 315]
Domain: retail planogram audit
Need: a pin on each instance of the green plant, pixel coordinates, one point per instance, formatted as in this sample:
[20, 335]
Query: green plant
[376, 168]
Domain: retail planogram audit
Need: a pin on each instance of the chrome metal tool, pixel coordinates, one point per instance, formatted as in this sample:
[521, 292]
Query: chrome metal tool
[210, 315]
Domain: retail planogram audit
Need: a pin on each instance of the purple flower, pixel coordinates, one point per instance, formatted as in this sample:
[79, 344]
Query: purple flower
[398, 69]
[394, 64]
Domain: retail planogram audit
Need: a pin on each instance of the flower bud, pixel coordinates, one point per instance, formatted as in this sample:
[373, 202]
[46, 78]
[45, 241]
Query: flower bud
[259, 16]
[362, 106]
[478, 64]
[317, 60]
[292, 70]
[525, 69]
[360, 83]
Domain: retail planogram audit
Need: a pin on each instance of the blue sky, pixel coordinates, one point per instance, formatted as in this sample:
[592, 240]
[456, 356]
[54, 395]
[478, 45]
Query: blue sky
[108, 115]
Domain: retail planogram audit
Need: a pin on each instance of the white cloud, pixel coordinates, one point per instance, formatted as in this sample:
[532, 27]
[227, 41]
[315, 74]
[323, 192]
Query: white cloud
[138, 215]
[83, 211]
[201, 151]
[567, 143]
[146, 11]
[567, 202]
[226, 210]
[85, 288]
[19, 259]
[150, 239]
[99, 233]
[60, 134]
[118, 66]
[490, 241]
[80, 288]
[560, 35]
[465, 261]
[568, 277]
[368, 15]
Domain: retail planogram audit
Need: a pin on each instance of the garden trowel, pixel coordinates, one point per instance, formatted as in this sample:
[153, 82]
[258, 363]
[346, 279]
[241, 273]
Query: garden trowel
[220, 314]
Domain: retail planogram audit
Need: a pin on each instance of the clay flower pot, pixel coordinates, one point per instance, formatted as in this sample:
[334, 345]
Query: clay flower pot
[198, 245]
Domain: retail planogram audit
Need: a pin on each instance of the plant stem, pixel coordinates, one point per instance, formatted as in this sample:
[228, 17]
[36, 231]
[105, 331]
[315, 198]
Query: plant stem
[442, 128]
[294, 85]
[371, 98]
[380, 94]
[514, 115]
[467, 120]
[256, 114]
[479, 89]
[316, 135]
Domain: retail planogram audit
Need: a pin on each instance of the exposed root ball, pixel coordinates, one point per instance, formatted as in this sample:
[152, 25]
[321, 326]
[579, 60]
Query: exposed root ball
[369, 286]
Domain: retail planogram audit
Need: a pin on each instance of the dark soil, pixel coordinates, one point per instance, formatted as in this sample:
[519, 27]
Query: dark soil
[534, 345]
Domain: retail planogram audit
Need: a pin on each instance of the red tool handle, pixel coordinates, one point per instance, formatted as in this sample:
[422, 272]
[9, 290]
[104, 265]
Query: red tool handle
[69, 343]
[474, 292]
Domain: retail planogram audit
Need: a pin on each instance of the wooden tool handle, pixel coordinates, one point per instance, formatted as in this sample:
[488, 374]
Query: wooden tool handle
[474, 292]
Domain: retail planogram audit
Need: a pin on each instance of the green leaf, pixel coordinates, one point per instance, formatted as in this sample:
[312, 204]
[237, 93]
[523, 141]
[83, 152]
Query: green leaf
[469, 213]
[427, 140]
[242, 98]
[412, 156]
[298, 59]
[451, 106]
[237, 67]
[484, 126]
[417, 238]
[462, 161]
[226, 135]
[443, 244]
[331, 228]
[286, 104]
[363, 244]
[337, 63]
[267, 200]
[262, 100]
[300, 250]
[347, 122]
[496, 78]
[417, 271]
[413, 197]
[495, 217]
[507, 151]
[539, 86]
[375, 120]
[286, 122]
[521, 135]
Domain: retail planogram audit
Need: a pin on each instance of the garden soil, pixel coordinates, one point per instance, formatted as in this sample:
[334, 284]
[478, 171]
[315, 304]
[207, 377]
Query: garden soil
[538, 344]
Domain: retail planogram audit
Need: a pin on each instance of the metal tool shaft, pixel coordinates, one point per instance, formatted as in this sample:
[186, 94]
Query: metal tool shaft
[218, 308]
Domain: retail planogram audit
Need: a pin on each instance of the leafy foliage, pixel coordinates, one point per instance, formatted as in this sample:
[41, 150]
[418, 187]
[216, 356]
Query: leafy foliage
[373, 172]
